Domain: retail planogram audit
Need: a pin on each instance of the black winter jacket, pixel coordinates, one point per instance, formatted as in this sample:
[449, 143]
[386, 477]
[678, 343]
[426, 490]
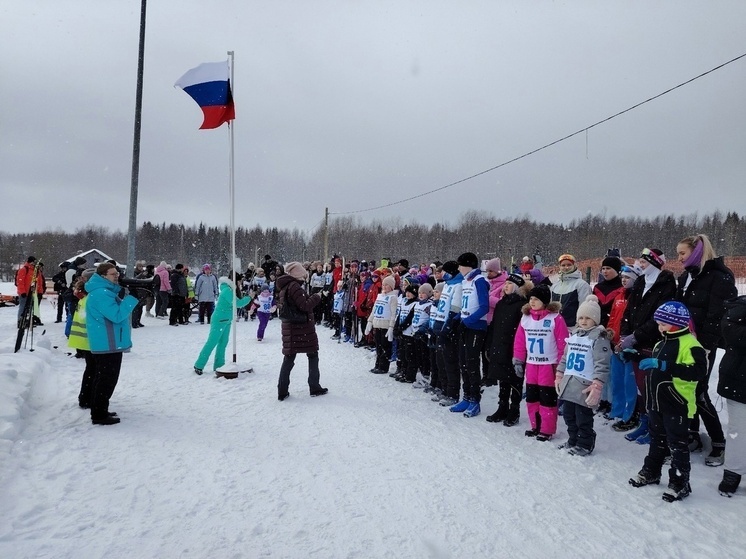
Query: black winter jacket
[705, 298]
[505, 321]
[638, 316]
[732, 382]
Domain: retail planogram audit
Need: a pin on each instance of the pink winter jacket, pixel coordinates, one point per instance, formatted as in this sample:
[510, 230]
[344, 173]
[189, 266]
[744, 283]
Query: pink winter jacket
[561, 333]
[496, 293]
[165, 282]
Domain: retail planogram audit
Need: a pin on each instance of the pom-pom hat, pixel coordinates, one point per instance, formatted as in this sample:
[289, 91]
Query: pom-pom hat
[590, 309]
[673, 313]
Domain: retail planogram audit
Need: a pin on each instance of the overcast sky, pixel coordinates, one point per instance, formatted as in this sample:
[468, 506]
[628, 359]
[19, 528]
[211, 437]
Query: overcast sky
[355, 104]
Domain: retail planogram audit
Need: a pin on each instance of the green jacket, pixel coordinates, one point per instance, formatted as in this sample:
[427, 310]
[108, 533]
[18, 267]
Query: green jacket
[671, 392]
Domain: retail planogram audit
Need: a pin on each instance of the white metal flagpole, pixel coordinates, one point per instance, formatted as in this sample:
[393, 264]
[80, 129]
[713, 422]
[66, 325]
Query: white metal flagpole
[233, 216]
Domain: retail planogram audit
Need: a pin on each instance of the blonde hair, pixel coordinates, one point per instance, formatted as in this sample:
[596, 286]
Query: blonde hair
[708, 252]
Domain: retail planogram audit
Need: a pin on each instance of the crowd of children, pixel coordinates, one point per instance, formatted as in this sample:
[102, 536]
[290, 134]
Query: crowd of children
[629, 351]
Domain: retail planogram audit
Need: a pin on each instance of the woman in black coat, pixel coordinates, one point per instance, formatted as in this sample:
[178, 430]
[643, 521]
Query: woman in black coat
[505, 321]
[732, 387]
[298, 337]
[704, 287]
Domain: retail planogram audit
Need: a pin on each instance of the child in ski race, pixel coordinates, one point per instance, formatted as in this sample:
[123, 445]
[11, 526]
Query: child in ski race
[337, 305]
[539, 344]
[420, 326]
[382, 322]
[220, 325]
[475, 294]
[449, 311]
[405, 330]
[581, 375]
[263, 306]
[505, 321]
[671, 376]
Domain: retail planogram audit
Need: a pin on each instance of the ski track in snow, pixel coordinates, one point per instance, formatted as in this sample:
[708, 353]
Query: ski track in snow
[206, 467]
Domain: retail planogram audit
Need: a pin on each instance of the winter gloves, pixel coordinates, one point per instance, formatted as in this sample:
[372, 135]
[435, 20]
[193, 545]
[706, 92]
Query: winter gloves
[629, 354]
[652, 363]
[594, 394]
[390, 334]
[519, 367]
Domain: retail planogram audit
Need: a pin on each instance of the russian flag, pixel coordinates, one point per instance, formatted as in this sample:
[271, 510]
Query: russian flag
[209, 85]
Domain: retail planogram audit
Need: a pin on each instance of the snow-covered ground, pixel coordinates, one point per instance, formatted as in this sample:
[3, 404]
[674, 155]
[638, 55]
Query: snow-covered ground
[203, 467]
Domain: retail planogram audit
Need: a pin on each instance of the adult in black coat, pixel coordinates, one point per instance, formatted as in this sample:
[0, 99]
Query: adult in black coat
[638, 329]
[298, 337]
[505, 321]
[732, 387]
[704, 287]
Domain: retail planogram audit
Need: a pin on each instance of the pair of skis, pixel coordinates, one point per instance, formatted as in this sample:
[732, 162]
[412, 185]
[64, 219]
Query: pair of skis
[29, 311]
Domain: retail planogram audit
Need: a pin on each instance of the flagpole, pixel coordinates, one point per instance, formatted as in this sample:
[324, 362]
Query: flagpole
[232, 188]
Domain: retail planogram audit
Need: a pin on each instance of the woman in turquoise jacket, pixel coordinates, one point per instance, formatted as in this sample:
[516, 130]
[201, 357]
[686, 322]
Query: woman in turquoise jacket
[108, 326]
[220, 325]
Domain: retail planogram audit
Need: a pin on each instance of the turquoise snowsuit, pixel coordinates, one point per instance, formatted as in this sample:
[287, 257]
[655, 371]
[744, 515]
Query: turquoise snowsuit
[220, 325]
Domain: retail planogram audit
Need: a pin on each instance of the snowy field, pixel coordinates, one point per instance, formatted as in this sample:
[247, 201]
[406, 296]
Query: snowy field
[211, 468]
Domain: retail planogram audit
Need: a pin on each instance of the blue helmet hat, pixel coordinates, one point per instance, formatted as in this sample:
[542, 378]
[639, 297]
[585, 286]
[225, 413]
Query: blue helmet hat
[673, 313]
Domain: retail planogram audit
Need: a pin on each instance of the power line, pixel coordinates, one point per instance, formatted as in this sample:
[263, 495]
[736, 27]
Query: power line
[550, 144]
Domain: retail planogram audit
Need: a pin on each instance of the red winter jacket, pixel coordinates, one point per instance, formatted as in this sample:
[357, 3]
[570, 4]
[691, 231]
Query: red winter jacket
[23, 280]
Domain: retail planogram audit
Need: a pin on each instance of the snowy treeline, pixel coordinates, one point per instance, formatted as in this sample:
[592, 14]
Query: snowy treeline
[476, 231]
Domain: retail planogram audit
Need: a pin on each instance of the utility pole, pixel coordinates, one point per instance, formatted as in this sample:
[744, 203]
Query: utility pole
[132, 232]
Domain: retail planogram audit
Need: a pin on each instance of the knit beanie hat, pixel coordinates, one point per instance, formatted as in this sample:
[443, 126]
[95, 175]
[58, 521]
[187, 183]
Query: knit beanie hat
[450, 267]
[569, 257]
[206, 267]
[439, 287]
[412, 288]
[654, 256]
[469, 260]
[590, 309]
[633, 272]
[674, 313]
[516, 279]
[296, 270]
[493, 266]
[427, 289]
[265, 287]
[542, 293]
[612, 262]
[390, 281]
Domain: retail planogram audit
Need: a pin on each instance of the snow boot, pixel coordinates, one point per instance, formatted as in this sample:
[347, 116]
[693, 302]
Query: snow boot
[695, 442]
[717, 456]
[544, 437]
[198, 370]
[645, 477]
[640, 431]
[501, 414]
[447, 402]
[628, 425]
[282, 397]
[473, 410]
[108, 420]
[677, 490]
[644, 439]
[319, 392]
[514, 415]
[730, 483]
[579, 451]
[461, 406]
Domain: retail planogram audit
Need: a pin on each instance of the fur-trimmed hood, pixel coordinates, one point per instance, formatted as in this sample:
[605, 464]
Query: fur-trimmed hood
[554, 306]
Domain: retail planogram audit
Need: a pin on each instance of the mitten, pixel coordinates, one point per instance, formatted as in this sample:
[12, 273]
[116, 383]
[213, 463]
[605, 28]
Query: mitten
[627, 342]
[557, 381]
[368, 328]
[519, 367]
[390, 334]
[652, 363]
[594, 394]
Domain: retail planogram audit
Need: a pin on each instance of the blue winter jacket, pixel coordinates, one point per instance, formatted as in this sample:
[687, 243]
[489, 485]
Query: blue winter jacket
[108, 316]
